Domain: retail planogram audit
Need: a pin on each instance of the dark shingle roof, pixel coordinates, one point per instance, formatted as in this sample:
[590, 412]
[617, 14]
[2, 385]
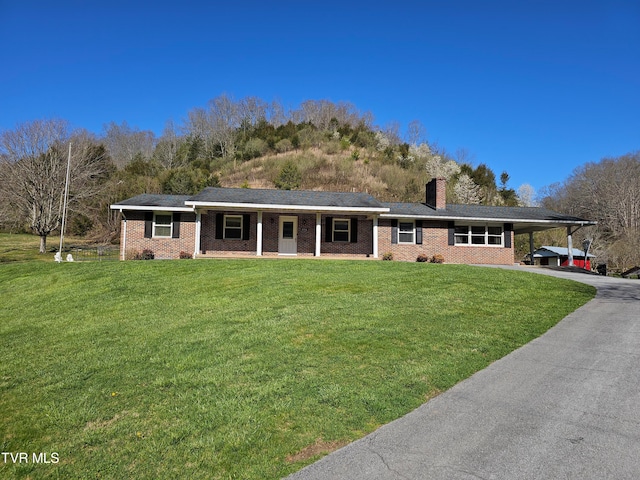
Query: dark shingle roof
[524, 219]
[453, 211]
[152, 200]
[513, 213]
[292, 198]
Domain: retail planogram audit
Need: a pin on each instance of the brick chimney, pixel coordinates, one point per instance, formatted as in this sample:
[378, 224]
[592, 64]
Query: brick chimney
[436, 193]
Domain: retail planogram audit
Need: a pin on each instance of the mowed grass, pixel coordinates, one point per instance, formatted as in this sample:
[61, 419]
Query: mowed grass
[241, 368]
[23, 247]
[19, 247]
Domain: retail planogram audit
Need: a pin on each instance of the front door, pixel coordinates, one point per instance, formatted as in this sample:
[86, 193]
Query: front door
[288, 239]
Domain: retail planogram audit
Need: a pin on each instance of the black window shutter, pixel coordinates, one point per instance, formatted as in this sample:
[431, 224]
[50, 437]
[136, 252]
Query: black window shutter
[148, 224]
[246, 226]
[452, 232]
[508, 228]
[354, 230]
[419, 232]
[176, 225]
[394, 231]
[328, 230]
[219, 226]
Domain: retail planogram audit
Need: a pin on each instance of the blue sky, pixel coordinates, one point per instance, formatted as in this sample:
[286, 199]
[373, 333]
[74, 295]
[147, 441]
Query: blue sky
[535, 88]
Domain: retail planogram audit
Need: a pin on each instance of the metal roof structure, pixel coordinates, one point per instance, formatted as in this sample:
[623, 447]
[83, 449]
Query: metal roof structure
[549, 251]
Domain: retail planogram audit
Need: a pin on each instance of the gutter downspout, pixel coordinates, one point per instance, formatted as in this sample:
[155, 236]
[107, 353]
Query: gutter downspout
[124, 234]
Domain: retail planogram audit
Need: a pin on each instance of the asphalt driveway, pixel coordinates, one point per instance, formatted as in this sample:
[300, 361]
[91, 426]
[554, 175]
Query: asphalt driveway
[564, 406]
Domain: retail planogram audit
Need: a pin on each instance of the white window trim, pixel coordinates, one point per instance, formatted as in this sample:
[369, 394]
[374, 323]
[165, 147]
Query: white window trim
[170, 215]
[413, 232]
[486, 236]
[348, 230]
[224, 227]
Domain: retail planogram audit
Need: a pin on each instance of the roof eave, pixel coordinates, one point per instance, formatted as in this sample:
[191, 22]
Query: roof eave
[147, 208]
[281, 207]
[488, 219]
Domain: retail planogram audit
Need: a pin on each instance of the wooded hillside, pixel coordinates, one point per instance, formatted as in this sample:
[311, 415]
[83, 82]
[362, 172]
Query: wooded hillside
[320, 145]
[247, 143]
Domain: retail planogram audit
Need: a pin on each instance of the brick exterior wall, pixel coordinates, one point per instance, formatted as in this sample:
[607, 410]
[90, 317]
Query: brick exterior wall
[209, 243]
[435, 242]
[271, 231]
[163, 248]
[436, 193]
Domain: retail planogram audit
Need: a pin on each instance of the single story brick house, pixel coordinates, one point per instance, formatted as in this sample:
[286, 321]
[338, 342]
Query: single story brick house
[238, 221]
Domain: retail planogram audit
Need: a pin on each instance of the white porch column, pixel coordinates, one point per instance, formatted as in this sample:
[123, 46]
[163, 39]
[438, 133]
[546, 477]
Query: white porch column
[318, 234]
[198, 229]
[375, 236]
[124, 236]
[570, 246]
[259, 235]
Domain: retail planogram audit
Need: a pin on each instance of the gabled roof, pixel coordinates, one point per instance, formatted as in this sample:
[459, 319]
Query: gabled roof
[249, 198]
[524, 219]
[148, 201]
[549, 251]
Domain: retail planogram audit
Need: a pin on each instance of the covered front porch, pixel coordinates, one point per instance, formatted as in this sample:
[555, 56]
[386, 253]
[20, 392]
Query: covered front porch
[290, 233]
[285, 233]
[285, 223]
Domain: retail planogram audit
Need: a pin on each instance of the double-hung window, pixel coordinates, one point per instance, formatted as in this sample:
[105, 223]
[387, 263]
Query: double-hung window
[462, 235]
[494, 236]
[480, 235]
[341, 230]
[233, 227]
[162, 225]
[406, 232]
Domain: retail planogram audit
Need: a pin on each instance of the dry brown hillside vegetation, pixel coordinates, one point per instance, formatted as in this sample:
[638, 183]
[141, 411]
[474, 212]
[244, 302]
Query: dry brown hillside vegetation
[343, 171]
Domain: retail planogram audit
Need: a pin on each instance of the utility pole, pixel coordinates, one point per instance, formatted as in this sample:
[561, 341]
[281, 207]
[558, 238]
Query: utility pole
[64, 204]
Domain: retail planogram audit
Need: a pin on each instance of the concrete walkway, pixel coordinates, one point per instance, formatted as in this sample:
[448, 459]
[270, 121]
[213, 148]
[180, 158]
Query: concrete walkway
[564, 406]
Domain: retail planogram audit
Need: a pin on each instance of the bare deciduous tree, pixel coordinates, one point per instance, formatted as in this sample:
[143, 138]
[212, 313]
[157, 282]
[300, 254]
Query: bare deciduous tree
[166, 151]
[252, 110]
[416, 133]
[216, 125]
[527, 195]
[32, 175]
[607, 192]
[277, 114]
[224, 118]
[125, 143]
[322, 113]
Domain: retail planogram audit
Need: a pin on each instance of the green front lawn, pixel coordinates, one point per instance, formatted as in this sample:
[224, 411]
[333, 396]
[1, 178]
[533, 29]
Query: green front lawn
[241, 368]
[16, 247]
[24, 247]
